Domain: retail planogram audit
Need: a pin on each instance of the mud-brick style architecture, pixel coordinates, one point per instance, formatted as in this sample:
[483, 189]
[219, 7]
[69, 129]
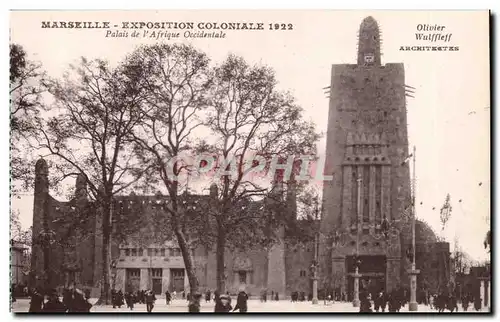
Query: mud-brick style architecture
[367, 142]
[76, 240]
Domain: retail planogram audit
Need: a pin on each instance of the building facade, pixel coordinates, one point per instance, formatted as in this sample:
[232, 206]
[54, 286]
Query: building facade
[17, 263]
[138, 262]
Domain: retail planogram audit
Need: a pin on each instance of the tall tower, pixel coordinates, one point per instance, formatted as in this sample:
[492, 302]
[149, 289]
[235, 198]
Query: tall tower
[367, 142]
[41, 205]
[276, 269]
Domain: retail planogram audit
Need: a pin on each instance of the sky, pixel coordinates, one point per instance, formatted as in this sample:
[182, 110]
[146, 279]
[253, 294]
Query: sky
[448, 119]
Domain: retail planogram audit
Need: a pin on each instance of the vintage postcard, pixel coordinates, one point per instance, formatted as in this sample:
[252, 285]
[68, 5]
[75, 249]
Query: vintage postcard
[250, 161]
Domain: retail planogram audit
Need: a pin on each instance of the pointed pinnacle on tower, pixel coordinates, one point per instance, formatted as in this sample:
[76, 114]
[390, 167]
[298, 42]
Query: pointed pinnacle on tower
[369, 43]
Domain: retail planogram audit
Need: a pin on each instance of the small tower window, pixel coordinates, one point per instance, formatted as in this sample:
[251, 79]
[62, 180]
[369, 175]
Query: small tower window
[369, 58]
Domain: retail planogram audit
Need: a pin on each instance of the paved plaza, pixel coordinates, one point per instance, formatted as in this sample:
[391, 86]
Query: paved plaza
[22, 305]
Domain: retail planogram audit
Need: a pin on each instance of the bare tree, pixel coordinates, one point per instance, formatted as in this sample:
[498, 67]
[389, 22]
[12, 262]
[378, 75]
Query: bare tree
[249, 116]
[487, 241]
[27, 84]
[97, 108]
[461, 260]
[177, 81]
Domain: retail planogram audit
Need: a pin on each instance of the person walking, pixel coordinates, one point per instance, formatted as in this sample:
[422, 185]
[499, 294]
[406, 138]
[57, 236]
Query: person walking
[129, 299]
[150, 300]
[365, 303]
[223, 304]
[36, 303]
[119, 299]
[79, 303]
[168, 297]
[194, 303]
[54, 305]
[241, 302]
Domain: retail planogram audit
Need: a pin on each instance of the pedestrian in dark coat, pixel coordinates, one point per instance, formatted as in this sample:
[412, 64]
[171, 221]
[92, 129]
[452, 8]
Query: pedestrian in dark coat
[223, 305]
[378, 300]
[393, 302]
[79, 303]
[168, 297]
[383, 301]
[194, 304]
[241, 302]
[54, 305]
[216, 296]
[119, 299]
[67, 297]
[465, 302]
[150, 300]
[365, 303]
[13, 292]
[263, 296]
[113, 298]
[452, 303]
[477, 302]
[129, 299]
[36, 303]
[208, 296]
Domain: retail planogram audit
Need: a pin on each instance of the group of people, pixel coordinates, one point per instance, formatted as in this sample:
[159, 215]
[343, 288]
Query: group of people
[391, 301]
[398, 298]
[19, 290]
[449, 301]
[274, 296]
[300, 297]
[130, 298]
[74, 300]
[222, 302]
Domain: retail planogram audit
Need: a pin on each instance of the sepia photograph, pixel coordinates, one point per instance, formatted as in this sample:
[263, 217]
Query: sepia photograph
[250, 161]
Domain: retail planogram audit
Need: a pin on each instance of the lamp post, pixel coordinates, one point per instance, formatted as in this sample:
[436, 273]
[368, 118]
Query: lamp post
[340, 239]
[356, 276]
[314, 266]
[413, 272]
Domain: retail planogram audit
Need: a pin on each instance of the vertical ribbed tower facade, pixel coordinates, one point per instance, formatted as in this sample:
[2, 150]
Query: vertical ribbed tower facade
[40, 206]
[367, 142]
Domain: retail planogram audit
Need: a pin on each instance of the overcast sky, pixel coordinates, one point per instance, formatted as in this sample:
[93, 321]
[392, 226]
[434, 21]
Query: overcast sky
[449, 118]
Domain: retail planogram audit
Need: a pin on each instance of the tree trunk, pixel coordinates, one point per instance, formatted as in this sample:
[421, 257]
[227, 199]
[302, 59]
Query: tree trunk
[188, 260]
[221, 247]
[183, 245]
[106, 232]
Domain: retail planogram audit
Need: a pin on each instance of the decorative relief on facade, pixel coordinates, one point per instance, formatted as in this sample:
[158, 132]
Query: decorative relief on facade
[242, 264]
[362, 148]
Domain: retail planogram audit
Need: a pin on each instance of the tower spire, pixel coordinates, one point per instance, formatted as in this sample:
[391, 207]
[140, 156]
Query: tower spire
[369, 43]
